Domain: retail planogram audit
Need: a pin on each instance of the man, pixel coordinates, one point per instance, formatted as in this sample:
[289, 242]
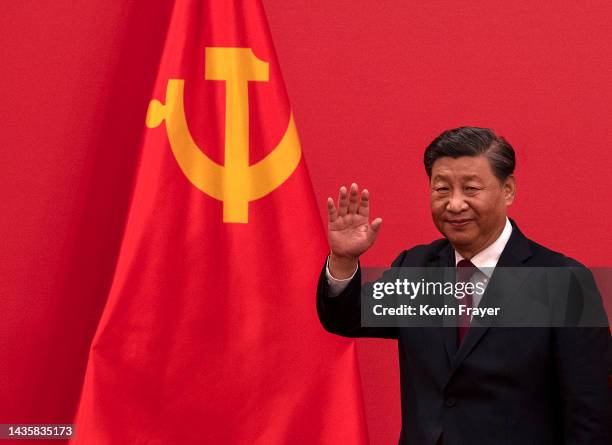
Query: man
[495, 385]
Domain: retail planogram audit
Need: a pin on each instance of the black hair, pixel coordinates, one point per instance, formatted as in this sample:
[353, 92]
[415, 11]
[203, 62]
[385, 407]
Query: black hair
[472, 141]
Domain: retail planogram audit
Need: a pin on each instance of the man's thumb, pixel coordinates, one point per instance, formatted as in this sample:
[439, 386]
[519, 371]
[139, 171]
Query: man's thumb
[375, 225]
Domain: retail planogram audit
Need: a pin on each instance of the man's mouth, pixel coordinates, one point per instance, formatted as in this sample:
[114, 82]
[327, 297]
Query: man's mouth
[458, 222]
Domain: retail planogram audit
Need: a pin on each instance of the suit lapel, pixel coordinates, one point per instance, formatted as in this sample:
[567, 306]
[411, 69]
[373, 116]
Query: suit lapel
[448, 333]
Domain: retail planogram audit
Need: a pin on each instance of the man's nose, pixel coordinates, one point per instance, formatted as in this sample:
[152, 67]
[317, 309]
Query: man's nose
[456, 203]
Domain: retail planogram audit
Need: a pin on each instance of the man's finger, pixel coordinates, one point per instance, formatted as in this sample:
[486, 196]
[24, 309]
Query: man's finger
[342, 201]
[364, 204]
[332, 214]
[353, 199]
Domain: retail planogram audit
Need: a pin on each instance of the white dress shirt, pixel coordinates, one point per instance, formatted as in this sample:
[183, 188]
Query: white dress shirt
[485, 261]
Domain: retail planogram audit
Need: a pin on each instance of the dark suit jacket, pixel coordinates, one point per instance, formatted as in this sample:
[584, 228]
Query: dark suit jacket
[503, 386]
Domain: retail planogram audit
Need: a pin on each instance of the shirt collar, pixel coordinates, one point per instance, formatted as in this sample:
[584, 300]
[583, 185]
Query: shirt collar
[486, 259]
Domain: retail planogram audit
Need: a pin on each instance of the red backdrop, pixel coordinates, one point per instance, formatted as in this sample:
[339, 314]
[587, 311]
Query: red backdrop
[370, 83]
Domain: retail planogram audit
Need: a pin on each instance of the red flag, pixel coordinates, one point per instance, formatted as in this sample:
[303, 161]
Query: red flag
[210, 333]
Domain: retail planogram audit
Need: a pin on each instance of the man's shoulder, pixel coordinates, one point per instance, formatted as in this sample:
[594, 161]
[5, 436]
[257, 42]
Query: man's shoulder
[542, 256]
[422, 254]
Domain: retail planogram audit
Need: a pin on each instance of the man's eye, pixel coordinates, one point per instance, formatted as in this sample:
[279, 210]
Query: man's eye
[471, 189]
[441, 189]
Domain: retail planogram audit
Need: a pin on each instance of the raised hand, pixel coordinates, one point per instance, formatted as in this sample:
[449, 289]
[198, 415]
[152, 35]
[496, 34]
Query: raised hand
[349, 232]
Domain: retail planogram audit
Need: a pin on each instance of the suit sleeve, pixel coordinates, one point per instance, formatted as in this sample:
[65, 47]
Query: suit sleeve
[341, 314]
[582, 368]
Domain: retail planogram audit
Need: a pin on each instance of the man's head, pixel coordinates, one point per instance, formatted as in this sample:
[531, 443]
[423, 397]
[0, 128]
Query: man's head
[471, 181]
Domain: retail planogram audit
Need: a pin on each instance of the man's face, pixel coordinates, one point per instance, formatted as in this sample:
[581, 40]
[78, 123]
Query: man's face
[468, 202]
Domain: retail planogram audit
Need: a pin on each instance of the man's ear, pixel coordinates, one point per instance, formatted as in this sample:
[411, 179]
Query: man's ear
[509, 187]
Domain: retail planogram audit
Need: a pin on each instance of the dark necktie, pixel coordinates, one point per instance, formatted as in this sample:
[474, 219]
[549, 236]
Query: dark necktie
[465, 270]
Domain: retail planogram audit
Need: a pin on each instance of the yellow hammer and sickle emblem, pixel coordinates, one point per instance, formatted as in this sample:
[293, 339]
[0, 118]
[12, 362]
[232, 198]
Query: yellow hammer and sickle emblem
[237, 182]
